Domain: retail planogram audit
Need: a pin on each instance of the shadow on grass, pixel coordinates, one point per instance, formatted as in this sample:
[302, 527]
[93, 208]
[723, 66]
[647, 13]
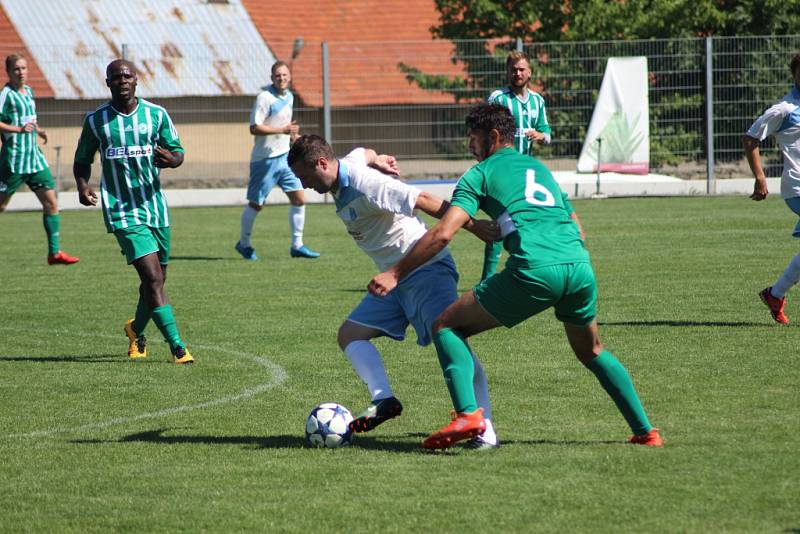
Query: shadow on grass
[567, 442]
[97, 358]
[200, 258]
[734, 324]
[264, 442]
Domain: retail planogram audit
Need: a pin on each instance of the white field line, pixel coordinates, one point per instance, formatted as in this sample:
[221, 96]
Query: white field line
[278, 376]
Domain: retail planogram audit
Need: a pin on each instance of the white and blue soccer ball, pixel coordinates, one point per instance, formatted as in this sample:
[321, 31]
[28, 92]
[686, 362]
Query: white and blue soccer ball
[328, 425]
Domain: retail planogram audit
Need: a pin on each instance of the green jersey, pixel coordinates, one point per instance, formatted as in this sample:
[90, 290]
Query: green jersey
[19, 154]
[521, 194]
[130, 190]
[529, 114]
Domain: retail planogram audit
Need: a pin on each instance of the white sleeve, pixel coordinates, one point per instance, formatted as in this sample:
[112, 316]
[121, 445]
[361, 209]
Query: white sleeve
[770, 122]
[356, 158]
[260, 110]
[383, 191]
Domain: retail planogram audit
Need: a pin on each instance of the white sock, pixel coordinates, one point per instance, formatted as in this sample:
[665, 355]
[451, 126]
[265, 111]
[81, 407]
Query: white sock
[481, 386]
[789, 278]
[248, 220]
[489, 436]
[297, 220]
[367, 362]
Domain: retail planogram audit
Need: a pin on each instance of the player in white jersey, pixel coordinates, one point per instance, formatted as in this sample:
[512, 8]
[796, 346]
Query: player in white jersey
[378, 211]
[21, 161]
[783, 122]
[272, 125]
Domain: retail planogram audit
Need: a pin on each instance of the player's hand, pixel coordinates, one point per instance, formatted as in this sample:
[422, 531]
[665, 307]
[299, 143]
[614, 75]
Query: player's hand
[164, 158]
[293, 129]
[484, 229]
[28, 128]
[760, 191]
[86, 195]
[386, 164]
[382, 283]
[533, 135]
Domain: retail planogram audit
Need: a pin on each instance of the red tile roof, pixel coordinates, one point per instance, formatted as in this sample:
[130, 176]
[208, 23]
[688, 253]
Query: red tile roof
[363, 38]
[11, 43]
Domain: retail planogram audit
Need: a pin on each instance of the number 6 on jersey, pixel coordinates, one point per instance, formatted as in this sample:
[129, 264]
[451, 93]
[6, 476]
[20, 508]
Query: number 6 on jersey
[531, 188]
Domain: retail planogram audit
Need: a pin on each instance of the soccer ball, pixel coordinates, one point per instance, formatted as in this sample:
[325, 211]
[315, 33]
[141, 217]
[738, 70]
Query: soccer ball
[328, 426]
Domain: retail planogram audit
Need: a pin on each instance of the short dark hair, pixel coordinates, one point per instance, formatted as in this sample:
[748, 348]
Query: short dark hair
[486, 117]
[278, 64]
[11, 60]
[307, 149]
[794, 64]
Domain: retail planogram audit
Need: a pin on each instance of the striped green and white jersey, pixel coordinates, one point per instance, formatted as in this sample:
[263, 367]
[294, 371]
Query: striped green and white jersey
[130, 190]
[529, 114]
[19, 154]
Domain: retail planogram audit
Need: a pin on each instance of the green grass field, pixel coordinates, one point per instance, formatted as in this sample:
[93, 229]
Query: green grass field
[92, 442]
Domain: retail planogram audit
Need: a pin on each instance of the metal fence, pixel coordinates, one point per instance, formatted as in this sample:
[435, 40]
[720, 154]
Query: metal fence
[365, 93]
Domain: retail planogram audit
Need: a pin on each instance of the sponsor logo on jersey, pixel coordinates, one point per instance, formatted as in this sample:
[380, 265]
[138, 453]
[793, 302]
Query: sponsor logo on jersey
[25, 119]
[119, 152]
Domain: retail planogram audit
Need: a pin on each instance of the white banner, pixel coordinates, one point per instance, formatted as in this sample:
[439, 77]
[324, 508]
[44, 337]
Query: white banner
[621, 120]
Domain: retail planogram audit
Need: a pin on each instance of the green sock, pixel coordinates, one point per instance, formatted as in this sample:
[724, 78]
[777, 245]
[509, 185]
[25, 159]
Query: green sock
[142, 317]
[617, 382]
[491, 257]
[458, 367]
[52, 227]
[165, 321]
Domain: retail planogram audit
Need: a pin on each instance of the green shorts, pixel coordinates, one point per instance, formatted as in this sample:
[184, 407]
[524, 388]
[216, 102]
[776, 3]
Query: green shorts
[512, 295]
[140, 240]
[11, 181]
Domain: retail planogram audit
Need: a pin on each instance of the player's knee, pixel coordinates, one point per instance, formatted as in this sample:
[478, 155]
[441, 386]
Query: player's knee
[344, 336]
[438, 325]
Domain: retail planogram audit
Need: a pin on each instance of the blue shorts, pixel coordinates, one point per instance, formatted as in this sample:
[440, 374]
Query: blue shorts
[794, 205]
[418, 300]
[266, 173]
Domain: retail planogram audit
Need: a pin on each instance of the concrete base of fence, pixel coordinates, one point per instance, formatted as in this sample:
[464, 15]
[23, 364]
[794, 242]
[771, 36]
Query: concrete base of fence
[577, 186]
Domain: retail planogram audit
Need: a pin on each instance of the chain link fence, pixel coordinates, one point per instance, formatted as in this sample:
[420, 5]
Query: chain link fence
[409, 98]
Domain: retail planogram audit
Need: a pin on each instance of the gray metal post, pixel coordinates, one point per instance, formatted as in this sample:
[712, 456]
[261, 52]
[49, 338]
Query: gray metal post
[326, 92]
[710, 184]
[597, 193]
[124, 51]
[519, 44]
[58, 168]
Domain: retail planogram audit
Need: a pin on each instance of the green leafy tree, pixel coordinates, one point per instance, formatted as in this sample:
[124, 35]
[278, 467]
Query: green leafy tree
[568, 70]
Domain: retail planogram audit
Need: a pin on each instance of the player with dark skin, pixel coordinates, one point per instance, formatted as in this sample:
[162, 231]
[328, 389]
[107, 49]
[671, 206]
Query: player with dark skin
[121, 80]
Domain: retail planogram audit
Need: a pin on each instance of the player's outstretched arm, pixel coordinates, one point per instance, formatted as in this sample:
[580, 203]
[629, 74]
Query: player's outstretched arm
[82, 173]
[752, 151]
[434, 206]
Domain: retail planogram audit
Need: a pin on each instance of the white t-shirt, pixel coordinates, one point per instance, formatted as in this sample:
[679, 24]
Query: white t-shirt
[378, 211]
[783, 121]
[273, 109]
